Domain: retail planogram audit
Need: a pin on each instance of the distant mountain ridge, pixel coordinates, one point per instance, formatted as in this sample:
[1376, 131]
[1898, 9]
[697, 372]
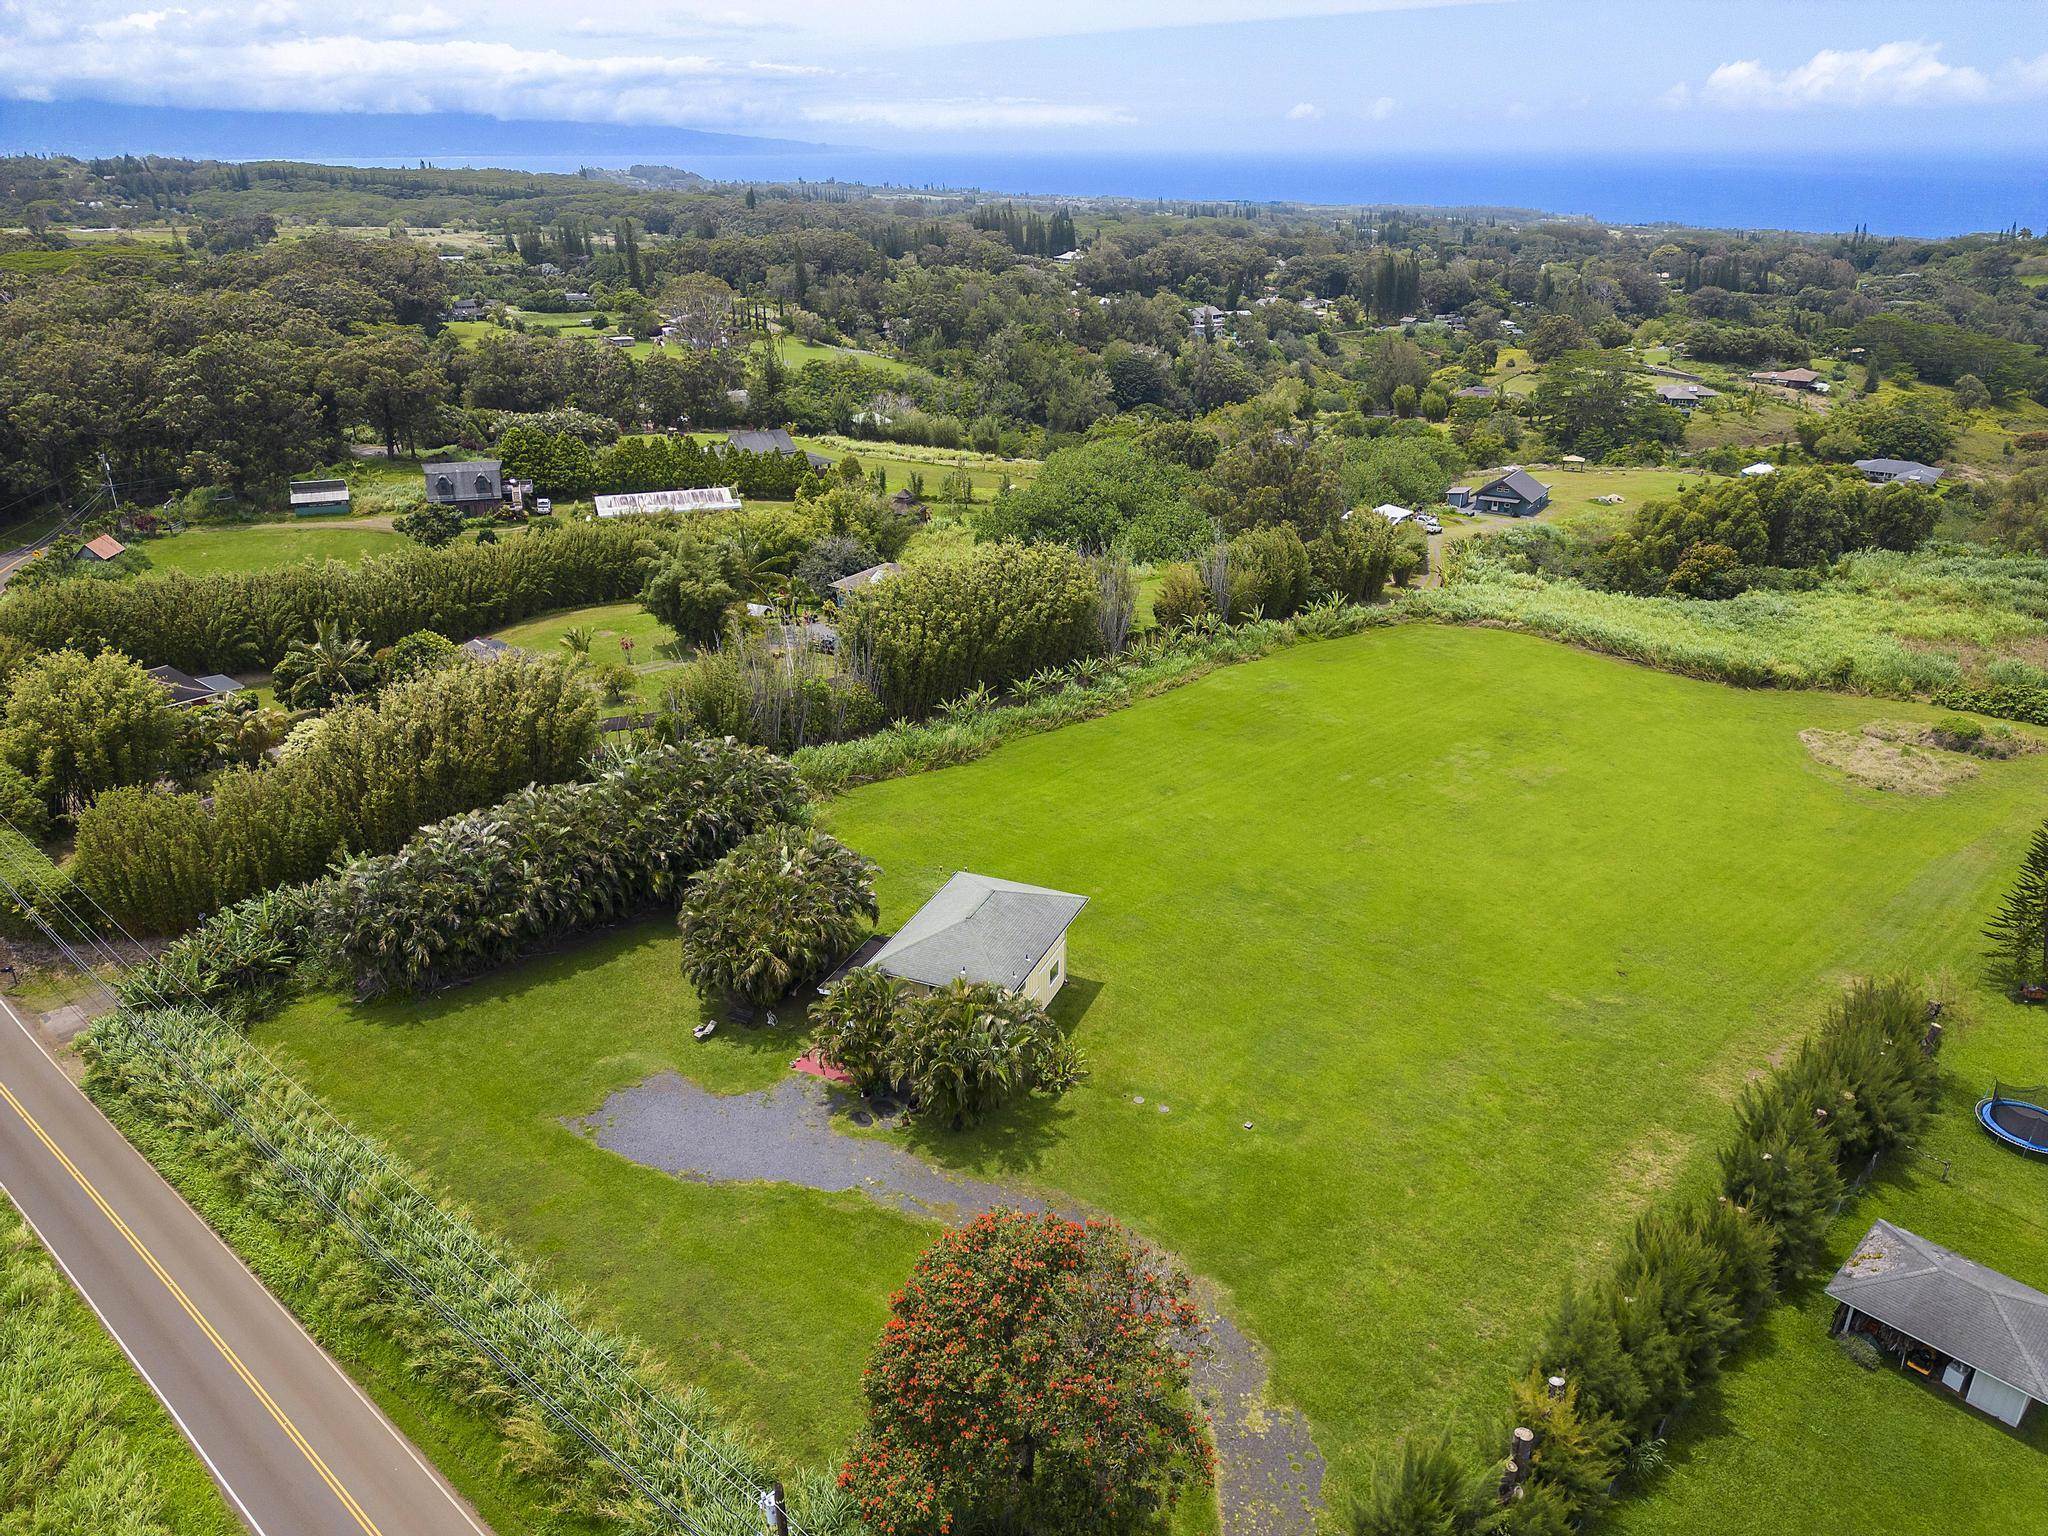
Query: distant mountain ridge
[92, 128]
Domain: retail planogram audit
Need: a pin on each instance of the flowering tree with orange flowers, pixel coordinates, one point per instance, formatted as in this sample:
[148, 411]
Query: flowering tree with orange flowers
[1034, 1376]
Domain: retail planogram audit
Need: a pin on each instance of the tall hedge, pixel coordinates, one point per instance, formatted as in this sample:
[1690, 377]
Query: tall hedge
[367, 779]
[478, 890]
[941, 630]
[242, 621]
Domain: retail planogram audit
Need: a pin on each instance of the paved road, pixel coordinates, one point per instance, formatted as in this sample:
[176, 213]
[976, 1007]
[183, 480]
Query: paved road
[296, 1447]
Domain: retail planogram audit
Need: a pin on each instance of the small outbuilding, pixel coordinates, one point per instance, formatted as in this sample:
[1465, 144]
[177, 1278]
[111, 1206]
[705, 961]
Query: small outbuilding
[860, 581]
[319, 498]
[466, 483]
[186, 690]
[1980, 1334]
[105, 547]
[981, 929]
[486, 648]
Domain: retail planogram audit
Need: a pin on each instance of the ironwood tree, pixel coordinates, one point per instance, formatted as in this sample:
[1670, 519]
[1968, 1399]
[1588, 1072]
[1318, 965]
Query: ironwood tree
[2019, 933]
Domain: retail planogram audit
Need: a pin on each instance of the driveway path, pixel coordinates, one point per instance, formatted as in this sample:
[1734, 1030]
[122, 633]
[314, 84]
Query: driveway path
[296, 1447]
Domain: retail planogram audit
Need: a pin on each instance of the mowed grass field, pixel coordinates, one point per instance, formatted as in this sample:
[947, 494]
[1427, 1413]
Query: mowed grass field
[213, 549]
[1435, 955]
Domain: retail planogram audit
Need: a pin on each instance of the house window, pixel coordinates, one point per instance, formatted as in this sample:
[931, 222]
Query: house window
[443, 484]
[483, 485]
[1054, 973]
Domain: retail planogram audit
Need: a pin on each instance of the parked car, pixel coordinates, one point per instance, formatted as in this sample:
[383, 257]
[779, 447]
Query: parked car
[543, 507]
[1428, 523]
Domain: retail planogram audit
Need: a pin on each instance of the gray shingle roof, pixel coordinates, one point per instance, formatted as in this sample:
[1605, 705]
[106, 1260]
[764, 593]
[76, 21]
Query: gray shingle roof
[1977, 1315]
[1909, 470]
[867, 578]
[981, 928]
[773, 440]
[1518, 482]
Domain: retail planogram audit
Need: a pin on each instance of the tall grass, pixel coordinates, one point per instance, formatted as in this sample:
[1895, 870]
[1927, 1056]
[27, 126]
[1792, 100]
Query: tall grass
[1943, 626]
[83, 1446]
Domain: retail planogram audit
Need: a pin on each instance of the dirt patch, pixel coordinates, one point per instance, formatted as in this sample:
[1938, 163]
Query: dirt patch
[1900, 767]
[1269, 1471]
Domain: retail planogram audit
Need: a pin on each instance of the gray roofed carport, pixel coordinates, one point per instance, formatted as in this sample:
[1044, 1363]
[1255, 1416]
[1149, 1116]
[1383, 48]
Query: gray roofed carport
[979, 928]
[1972, 1314]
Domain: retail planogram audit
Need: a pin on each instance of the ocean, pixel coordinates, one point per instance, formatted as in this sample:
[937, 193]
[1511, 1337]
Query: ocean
[1893, 196]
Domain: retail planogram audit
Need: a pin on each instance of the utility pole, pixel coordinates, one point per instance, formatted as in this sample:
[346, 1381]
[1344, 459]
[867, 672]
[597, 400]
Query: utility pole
[107, 470]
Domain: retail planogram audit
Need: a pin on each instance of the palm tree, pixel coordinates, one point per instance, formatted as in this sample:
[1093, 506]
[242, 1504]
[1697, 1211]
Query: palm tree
[783, 906]
[577, 638]
[318, 673]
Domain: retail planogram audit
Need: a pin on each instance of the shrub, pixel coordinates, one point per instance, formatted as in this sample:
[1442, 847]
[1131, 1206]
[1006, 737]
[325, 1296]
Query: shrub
[989, 618]
[244, 621]
[476, 891]
[431, 525]
[1269, 572]
[77, 724]
[1034, 1376]
[1182, 596]
[238, 962]
[779, 699]
[970, 1047]
[856, 1028]
[362, 780]
[782, 907]
[1426, 1489]
[22, 804]
[415, 655]
[689, 592]
[1861, 1348]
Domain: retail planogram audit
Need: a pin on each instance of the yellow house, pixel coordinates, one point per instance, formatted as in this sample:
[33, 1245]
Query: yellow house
[982, 929]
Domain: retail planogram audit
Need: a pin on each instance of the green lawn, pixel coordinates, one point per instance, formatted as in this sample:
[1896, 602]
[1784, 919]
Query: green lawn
[608, 623]
[210, 550]
[1481, 934]
[795, 352]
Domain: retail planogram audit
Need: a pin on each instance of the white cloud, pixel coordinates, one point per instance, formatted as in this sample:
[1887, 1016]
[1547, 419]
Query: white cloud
[926, 115]
[1380, 108]
[1304, 112]
[1891, 74]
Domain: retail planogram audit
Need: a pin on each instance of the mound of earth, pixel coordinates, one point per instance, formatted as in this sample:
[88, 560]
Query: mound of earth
[1882, 755]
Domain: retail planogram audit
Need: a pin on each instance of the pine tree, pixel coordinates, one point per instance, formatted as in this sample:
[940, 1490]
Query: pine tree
[2019, 933]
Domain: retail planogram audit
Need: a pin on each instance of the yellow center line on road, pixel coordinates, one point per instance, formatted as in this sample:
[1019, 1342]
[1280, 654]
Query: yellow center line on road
[291, 1430]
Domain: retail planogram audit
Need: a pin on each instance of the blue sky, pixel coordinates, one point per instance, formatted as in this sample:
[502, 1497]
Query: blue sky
[1719, 77]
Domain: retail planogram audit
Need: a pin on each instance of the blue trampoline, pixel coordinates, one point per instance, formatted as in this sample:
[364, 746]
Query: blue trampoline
[2015, 1117]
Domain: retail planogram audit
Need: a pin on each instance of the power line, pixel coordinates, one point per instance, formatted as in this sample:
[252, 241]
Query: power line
[575, 1350]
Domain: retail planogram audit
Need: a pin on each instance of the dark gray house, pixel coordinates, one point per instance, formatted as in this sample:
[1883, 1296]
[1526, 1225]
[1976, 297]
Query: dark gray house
[468, 483]
[1980, 1334]
[186, 690]
[1516, 493]
[1899, 472]
[773, 440]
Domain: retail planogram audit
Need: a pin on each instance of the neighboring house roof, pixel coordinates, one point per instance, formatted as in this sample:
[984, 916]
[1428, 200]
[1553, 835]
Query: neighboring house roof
[1518, 483]
[1910, 470]
[1788, 376]
[1476, 392]
[772, 440]
[980, 928]
[1978, 1316]
[1690, 393]
[1392, 513]
[486, 648]
[1760, 469]
[866, 578]
[319, 493]
[105, 547]
[707, 498]
[464, 479]
[186, 689]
